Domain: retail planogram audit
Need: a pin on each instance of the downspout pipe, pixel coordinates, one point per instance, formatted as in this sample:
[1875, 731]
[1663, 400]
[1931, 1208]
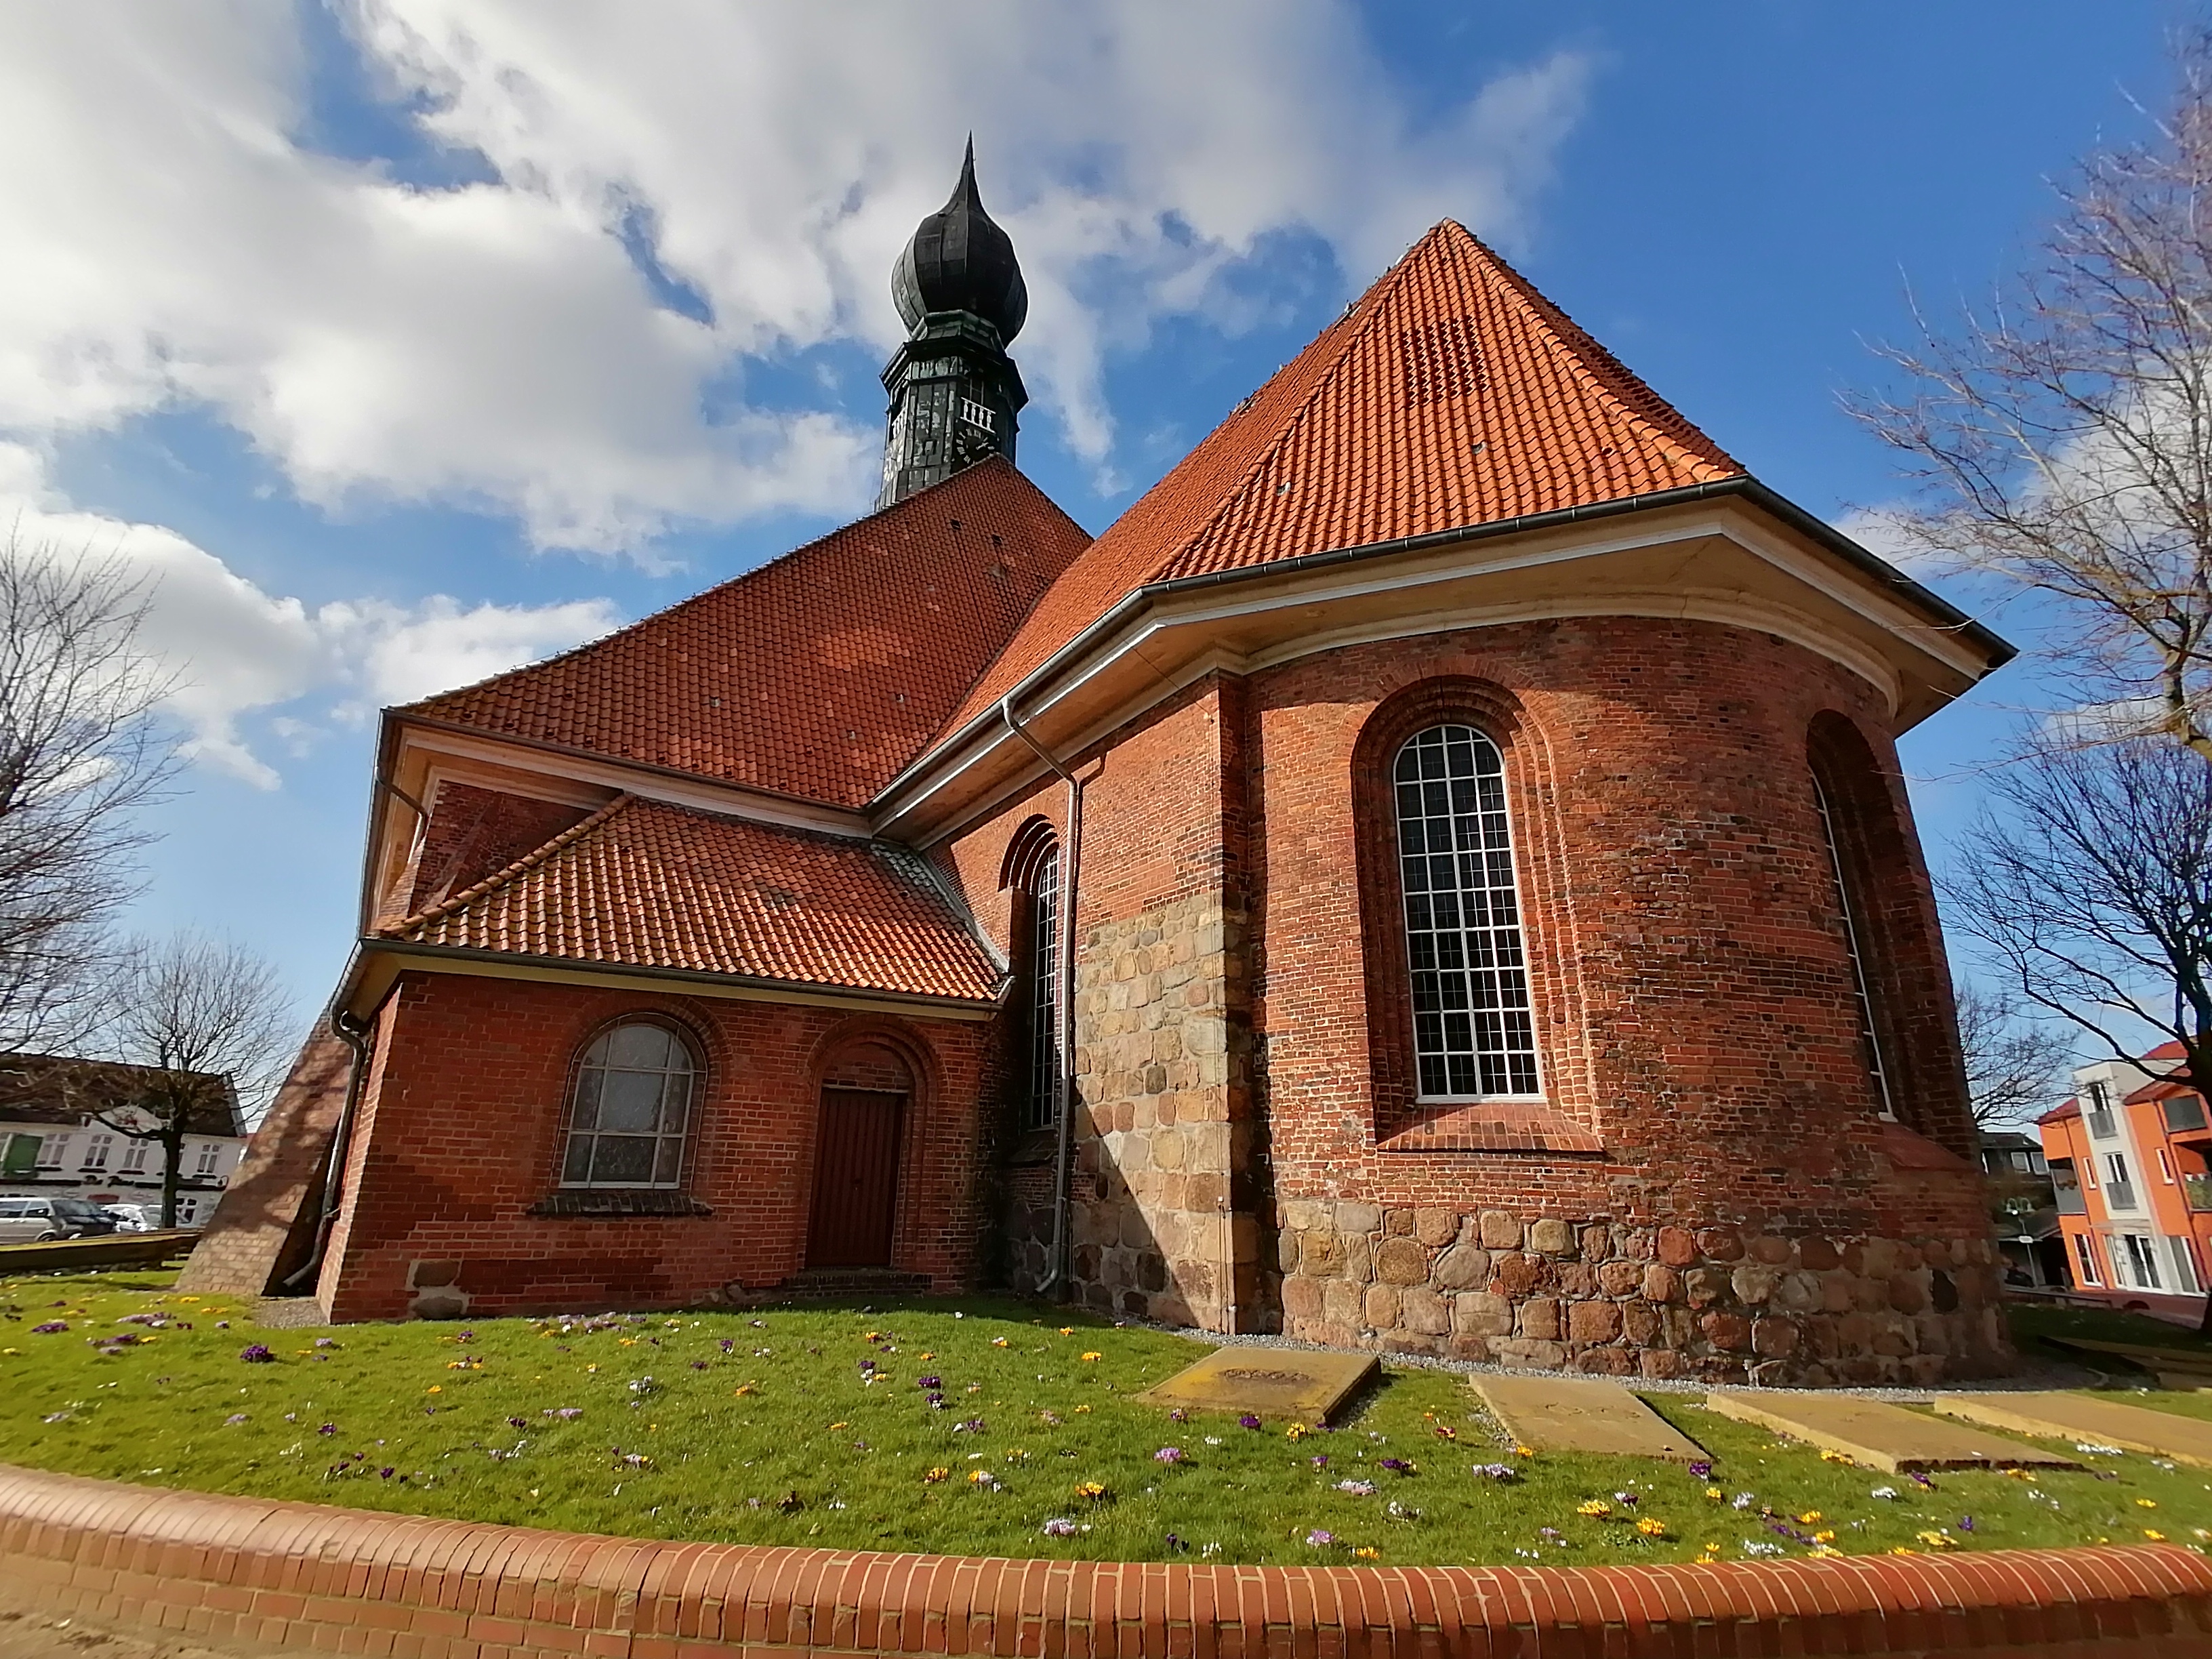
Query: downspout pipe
[1055, 1280]
[355, 1035]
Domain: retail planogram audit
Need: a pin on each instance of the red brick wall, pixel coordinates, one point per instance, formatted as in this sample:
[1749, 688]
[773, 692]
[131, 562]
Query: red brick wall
[1697, 1025]
[295, 1577]
[475, 832]
[264, 1226]
[461, 1131]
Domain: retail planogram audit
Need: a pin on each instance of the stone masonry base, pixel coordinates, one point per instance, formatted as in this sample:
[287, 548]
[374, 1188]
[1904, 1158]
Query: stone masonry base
[1661, 1302]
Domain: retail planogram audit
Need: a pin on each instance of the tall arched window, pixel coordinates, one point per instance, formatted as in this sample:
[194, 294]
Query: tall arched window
[1870, 1046]
[1473, 1034]
[632, 1110]
[1031, 871]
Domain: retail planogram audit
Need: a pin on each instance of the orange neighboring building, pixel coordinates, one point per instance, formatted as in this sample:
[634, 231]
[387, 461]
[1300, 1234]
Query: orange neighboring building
[2131, 1158]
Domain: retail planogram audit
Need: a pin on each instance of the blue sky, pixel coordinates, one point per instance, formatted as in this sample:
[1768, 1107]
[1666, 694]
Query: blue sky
[404, 339]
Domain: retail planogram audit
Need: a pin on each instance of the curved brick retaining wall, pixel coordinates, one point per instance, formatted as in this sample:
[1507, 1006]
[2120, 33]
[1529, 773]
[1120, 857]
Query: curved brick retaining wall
[350, 1581]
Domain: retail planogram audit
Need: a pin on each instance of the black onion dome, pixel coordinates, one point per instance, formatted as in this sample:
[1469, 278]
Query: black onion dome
[960, 260]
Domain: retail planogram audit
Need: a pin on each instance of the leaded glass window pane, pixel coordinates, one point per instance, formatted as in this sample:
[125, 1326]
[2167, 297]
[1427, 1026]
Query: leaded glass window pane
[1042, 1107]
[632, 1106]
[1474, 1036]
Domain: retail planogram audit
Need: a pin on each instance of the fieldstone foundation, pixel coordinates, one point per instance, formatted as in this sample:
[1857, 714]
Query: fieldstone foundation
[1597, 1296]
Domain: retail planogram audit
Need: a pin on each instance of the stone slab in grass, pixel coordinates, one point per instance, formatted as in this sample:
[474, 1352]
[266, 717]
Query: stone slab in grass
[2086, 1417]
[1882, 1436]
[1268, 1382]
[1575, 1414]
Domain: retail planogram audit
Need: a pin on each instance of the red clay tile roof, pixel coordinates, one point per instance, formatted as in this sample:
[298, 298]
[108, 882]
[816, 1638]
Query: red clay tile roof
[1452, 394]
[2060, 1113]
[818, 675]
[643, 885]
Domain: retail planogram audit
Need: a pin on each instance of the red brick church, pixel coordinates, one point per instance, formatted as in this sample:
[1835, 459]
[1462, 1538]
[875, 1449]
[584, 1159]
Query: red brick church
[1433, 876]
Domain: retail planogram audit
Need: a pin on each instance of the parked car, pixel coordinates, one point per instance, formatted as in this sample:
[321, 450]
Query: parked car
[129, 1218]
[29, 1220]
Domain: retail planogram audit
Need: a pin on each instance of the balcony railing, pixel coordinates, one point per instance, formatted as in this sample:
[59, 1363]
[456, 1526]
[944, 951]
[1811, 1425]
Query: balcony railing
[2070, 1202]
[2199, 1188]
[2101, 1125]
[2184, 1112]
[2119, 1197]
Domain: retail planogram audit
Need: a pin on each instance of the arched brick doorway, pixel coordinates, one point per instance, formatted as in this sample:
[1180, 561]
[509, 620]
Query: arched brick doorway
[865, 1092]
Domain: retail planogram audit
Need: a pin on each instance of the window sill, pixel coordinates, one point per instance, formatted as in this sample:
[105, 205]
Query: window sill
[1494, 1126]
[1035, 1147]
[592, 1202]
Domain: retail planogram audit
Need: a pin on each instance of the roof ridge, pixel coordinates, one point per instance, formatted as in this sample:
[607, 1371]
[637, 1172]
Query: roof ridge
[455, 903]
[667, 613]
[1390, 279]
[1587, 355]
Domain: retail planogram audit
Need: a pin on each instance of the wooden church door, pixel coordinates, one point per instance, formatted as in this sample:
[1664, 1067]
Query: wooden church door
[855, 1178]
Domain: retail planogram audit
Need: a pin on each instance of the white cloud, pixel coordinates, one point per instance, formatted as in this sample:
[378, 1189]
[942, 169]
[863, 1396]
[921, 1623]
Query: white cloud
[1887, 532]
[233, 650]
[171, 242]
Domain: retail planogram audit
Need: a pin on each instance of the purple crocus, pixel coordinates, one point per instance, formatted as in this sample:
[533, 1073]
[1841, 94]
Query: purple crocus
[1247, 1421]
[930, 1383]
[328, 1428]
[1966, 1523]
[1321, 1538]
[729, 1345]
[1060, 1526]
[254, 1353]
[1167, 1454]
[49, 1328]
[1498, 1471]
[1701, 1470]
[1395, 1465]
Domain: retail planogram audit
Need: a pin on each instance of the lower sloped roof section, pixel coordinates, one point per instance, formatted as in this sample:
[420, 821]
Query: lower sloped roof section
[641, 885]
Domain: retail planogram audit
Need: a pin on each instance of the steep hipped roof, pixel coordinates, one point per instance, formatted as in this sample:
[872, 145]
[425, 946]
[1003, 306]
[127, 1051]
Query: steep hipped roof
[647, 885]
[1451, 394]
[818, 675]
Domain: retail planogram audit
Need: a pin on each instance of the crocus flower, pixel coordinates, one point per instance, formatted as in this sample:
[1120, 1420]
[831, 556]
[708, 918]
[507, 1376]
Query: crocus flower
[1356, 1488]
[1247, 1421]
[929, 1382]
[235, 1417]
[1396, 1466]
[1167, 1454]
[1321, 1538]
[49, 1328]
[332, 1428]
[253, 1353]
[1701, 1470]
[1498, 1471]
[1060, 1526]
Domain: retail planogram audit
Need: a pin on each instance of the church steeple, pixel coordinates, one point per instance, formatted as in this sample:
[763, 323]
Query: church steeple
[955, 393]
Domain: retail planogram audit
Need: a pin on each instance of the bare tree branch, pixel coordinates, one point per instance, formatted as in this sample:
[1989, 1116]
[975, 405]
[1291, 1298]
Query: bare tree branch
[80, 753]
[2014, 1066]
[2063, 438]
[2090, 884]
[205, 1017]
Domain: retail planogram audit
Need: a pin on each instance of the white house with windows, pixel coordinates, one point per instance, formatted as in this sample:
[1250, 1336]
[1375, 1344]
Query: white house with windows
[53, 1139]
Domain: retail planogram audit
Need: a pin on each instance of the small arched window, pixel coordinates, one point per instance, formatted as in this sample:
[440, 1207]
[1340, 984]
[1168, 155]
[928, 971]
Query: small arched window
[1474, 1038]
[632, 1111]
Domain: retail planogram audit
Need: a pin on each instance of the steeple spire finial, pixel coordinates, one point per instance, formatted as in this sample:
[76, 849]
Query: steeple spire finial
[954, 390]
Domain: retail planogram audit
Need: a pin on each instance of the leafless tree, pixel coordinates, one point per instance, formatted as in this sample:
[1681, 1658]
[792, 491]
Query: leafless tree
[80, 753]
[2013, 1065]
[205, 1019]
[2086, 878]
[2063, 436]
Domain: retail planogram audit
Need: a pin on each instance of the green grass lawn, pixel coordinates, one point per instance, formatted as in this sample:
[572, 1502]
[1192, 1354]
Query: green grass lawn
[766, 1428]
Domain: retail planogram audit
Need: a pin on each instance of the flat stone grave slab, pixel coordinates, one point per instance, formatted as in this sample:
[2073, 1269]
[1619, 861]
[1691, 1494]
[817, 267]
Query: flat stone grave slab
[2087, 1417]
[1288, 1383]
[1881, 1436]
[1574, 1414]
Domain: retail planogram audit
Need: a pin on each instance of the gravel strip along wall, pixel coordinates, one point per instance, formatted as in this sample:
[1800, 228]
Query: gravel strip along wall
[303, 1576]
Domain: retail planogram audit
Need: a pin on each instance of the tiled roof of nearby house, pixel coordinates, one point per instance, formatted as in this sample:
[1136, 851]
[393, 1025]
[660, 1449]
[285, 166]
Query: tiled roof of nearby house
[818, 675]
[2164, 1088]
[2008, 1140]
[643, 885]
[2060, 1113]
[64, 1091]
[1451, 394]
